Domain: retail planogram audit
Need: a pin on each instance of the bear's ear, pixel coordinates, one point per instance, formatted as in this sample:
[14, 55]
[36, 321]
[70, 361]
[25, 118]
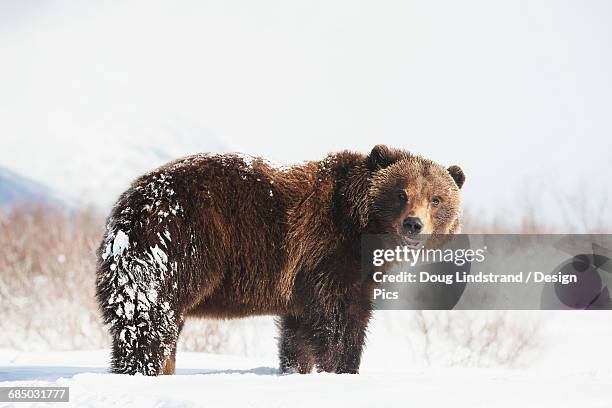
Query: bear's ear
[457, 175]
[379, 157]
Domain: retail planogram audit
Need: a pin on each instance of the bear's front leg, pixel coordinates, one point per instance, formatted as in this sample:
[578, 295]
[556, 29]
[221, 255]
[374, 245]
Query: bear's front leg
[295, 353]
[338, 336]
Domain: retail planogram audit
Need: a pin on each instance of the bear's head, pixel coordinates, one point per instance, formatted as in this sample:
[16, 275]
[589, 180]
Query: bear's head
[412, 196]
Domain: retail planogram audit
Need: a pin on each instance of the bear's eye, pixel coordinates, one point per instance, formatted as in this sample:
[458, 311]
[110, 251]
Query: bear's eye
[403, 197]
[435, 202]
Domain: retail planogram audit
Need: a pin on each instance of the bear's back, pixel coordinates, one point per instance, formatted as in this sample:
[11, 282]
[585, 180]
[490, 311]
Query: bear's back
[215, 218]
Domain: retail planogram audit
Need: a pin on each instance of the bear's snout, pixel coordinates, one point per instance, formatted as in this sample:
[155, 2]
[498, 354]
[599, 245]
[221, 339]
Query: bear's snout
[412, 225]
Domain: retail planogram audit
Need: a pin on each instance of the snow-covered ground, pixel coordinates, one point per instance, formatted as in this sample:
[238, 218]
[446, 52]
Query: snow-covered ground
[571, 366]
[210, 380]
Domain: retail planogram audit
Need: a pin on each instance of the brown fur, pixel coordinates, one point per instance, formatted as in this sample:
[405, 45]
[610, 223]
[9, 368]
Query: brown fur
[220, 236]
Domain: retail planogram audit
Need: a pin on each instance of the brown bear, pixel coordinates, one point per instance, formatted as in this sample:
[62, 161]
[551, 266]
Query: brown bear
[226, 236]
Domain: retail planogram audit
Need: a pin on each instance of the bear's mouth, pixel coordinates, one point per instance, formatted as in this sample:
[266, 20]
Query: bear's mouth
[411, 242]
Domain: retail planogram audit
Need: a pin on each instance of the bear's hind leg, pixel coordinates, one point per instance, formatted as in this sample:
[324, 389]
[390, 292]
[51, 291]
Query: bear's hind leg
[146, 343]
[295, 352]
[170, 364]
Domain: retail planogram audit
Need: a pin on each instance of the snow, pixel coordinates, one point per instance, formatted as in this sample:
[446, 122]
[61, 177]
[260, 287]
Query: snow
[129, 309]
[570, 367]
[121, 243]
[230, 381]
[159, 255]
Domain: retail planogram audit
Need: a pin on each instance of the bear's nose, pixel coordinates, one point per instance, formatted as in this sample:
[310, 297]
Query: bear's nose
[413, 225]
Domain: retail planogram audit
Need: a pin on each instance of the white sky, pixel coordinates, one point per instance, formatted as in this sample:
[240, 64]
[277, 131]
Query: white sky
[518, 93]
